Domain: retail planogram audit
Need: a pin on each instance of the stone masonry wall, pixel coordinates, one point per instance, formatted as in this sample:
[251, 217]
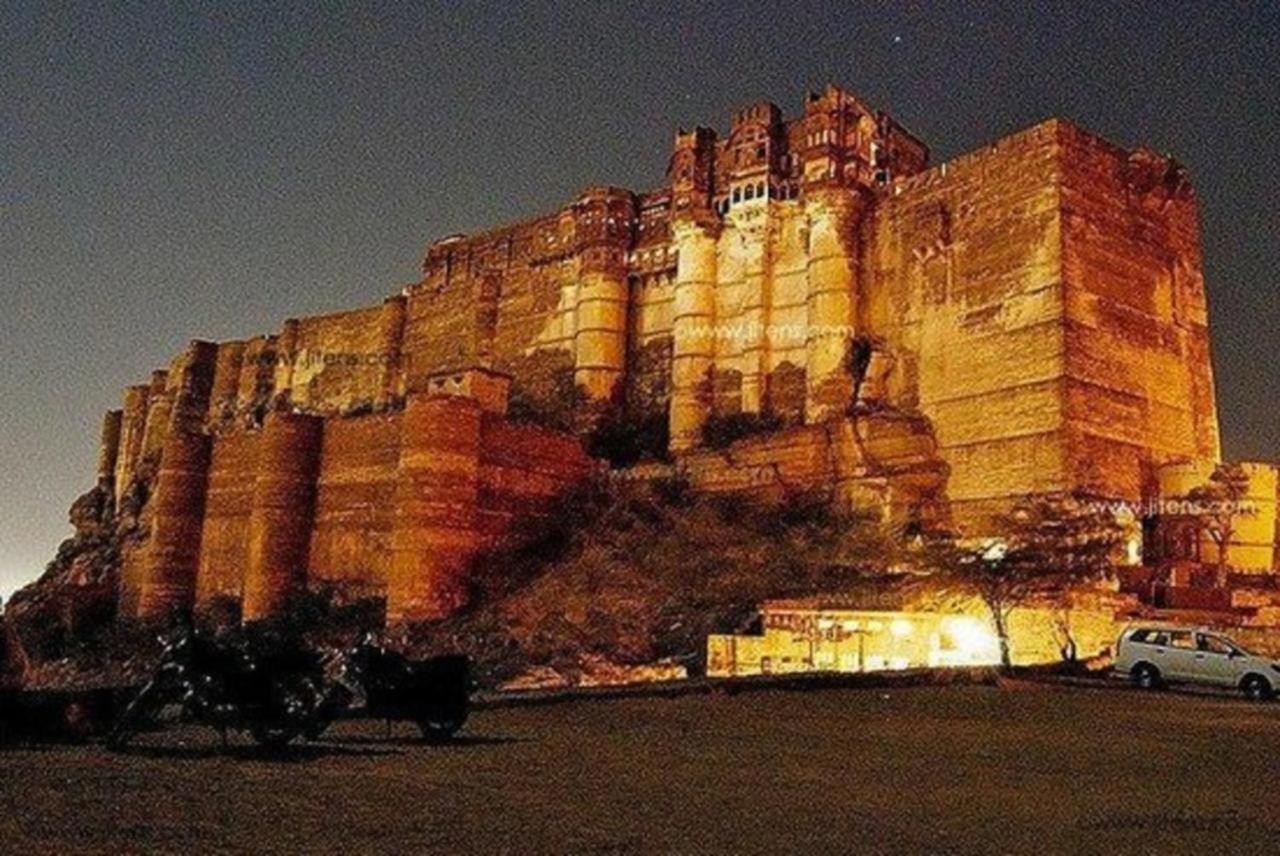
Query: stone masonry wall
[351, 541]
[966, 292]
[393, 504]
[228, 501]
[1139, 385]
[1044, 307]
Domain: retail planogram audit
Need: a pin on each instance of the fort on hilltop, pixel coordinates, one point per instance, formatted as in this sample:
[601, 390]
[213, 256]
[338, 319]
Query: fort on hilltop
[932, 341]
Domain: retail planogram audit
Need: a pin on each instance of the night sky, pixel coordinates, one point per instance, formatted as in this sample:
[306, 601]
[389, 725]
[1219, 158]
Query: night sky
[169, 174]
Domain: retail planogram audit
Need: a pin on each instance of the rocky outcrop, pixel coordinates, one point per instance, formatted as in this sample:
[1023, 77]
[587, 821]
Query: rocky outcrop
[77, 595]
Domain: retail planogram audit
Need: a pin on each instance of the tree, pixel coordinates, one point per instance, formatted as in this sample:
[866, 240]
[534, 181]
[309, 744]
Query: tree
[1046, 546]
[1217, 505]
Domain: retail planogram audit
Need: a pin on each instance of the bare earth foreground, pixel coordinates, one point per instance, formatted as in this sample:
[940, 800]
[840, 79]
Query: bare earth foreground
[971, 769]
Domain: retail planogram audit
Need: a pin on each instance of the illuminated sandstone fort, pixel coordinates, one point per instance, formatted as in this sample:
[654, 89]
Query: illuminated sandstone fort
[934, 341]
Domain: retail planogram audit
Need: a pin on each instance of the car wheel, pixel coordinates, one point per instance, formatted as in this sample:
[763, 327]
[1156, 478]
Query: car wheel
[1256, 687]
[1146, 677]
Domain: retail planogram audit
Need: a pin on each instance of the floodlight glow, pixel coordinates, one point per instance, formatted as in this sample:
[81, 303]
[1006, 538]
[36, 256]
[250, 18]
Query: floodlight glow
[973, 639]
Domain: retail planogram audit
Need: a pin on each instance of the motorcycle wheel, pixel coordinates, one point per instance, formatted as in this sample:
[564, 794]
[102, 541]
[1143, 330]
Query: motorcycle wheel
[275, 735]
[335, 702]
[144, 708]
[298, 706]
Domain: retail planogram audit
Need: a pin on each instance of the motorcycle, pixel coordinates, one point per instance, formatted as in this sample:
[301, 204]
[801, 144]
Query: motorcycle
[276, 693]
[433, 693]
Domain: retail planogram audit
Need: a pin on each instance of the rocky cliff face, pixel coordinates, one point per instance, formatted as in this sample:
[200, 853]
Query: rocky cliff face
[77, 595]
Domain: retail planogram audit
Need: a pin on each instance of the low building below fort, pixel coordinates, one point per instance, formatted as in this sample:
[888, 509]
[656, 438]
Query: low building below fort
[843, 634]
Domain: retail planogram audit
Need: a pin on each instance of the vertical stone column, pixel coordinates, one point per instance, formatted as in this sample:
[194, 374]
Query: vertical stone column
[833, 283]
[109, 449]
[133, 423]
[600, 341]
[226, 382]
[257, 377]
[191, 385]
[755, 312]
[602, 221]
[168, 566]
[158, 410]
[693, 348]
[286, 355]
[435, 534]
[179, 402]
[394, 310]
[280, 519]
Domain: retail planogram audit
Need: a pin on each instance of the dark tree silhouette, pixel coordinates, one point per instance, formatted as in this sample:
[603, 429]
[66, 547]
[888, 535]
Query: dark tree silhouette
[1048, 545]
[1217, 507]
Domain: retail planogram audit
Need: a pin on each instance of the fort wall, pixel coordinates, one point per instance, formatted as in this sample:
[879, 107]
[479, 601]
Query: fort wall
[1139, 379]
[1027, 318]
[395, 504]
[354, 514]
[233, 467]
[281, 511]
[966, 294]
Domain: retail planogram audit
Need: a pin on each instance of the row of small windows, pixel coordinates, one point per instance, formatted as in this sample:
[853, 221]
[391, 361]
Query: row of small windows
[660, 255]
[853, 141]
[787, 162]
[818, 138]
[760, 190]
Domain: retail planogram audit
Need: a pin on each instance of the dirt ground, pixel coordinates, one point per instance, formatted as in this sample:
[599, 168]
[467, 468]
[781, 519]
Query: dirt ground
[1020, 768]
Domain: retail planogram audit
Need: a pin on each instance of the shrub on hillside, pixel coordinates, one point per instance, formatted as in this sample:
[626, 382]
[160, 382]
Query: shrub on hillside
[623, 439]
[633, 574]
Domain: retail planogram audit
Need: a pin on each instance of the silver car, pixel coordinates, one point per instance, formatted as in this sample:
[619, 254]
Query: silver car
[1156, 655]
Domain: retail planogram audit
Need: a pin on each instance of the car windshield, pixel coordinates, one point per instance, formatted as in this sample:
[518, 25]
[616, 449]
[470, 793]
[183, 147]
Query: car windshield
[1219, 645]
[1240, 648]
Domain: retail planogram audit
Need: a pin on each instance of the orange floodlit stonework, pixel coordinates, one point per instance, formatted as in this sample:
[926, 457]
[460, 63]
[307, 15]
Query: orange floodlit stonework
[933, 341]
[392, 503]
